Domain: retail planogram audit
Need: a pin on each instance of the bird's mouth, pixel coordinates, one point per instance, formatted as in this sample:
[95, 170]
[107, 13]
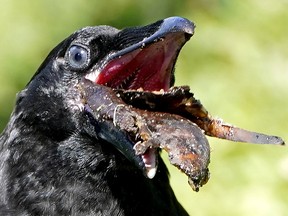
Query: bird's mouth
[147, 64]
[149, 67]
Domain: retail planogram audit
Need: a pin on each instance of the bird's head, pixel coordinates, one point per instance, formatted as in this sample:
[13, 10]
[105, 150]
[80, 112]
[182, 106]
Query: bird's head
[132, 58]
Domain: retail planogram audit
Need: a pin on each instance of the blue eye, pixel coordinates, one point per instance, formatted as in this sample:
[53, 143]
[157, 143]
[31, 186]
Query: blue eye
[78, 56]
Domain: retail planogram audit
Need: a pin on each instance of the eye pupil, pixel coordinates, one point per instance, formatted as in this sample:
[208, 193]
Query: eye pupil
[78, 56]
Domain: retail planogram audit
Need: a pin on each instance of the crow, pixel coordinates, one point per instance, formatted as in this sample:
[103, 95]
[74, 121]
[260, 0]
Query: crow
[53, 162]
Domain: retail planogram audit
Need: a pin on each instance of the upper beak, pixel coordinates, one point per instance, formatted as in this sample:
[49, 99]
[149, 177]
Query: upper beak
[169, 25]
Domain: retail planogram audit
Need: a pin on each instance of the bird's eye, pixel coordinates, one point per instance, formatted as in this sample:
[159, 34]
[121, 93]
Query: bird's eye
[78, 56]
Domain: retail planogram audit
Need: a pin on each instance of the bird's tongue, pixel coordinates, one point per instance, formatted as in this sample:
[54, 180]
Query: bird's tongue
[150, 160]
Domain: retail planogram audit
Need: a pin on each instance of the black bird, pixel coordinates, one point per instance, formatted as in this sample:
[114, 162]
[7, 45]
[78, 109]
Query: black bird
[53, 162]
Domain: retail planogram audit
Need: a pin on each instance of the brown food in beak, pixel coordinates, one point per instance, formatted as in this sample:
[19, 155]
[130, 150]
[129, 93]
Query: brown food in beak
[180, 101]
[172, 120]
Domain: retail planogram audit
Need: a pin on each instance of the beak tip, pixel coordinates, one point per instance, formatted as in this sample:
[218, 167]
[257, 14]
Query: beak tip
[178, 24]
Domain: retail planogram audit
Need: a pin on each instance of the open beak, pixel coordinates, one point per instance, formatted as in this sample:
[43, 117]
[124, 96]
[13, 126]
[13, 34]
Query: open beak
[143, 58]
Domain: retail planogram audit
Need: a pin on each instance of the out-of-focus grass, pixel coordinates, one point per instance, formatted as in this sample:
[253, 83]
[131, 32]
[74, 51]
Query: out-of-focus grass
[236, 64]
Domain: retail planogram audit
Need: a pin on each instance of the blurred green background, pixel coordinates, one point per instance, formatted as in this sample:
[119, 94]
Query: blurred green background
[236, 64]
